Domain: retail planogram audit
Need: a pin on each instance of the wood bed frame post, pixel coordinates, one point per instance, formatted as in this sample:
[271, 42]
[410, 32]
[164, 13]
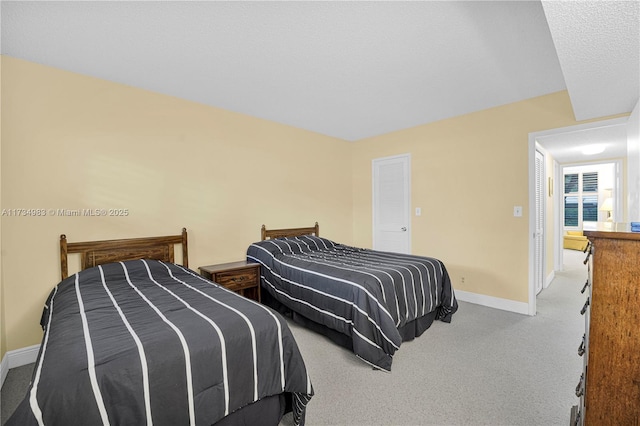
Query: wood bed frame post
[317, 229]
[263, 234]
[63, 256]
[185, 254]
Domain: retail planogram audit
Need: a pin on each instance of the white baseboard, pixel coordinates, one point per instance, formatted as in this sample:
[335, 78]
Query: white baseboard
[17, 358]
[550, 278]
[493, 302]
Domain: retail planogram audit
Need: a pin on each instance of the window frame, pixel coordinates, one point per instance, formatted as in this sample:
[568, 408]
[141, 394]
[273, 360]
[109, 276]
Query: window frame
[580, 195]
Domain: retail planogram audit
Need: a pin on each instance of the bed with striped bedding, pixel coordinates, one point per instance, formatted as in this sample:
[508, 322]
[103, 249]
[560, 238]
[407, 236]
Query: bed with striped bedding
[376, 299]
[151, 342]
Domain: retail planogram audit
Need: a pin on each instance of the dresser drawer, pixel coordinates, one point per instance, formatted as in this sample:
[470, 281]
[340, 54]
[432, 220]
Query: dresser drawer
[238, 279]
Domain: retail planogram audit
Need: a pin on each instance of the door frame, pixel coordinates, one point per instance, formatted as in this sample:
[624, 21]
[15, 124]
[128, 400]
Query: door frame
[407, 158]
[532, 200]
[543, 209]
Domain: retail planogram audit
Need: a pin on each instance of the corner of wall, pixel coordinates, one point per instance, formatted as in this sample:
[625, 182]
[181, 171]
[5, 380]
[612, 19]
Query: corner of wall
[3, 334]
[633, 164]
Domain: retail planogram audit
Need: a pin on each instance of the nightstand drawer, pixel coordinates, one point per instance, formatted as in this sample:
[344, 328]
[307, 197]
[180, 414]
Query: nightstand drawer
[242, 277]
[238, 279]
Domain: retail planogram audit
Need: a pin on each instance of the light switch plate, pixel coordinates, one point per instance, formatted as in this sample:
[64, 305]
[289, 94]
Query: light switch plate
[418, 211]
[517, 211]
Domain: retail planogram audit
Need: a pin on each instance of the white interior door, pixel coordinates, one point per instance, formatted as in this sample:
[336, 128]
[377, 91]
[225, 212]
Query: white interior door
[391, 204]
[539, 245]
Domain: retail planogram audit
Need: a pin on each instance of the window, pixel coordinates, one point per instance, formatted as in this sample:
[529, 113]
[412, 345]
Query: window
[570, 211]
[580, 198]
[590, 208]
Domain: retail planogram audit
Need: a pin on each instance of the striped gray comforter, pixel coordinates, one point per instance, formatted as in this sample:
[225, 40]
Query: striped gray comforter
[147, 342]
[365, 294]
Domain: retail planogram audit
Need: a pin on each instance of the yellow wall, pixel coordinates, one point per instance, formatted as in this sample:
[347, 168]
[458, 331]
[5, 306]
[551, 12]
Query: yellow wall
[467, 174]
[72, 142]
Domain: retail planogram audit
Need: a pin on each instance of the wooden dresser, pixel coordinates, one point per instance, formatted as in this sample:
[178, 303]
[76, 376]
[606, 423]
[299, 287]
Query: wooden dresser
[609, 388]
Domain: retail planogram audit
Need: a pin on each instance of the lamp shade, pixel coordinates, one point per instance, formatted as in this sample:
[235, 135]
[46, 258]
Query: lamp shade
[607, 205]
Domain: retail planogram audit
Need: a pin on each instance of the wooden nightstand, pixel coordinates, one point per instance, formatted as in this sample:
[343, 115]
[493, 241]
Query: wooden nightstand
[242, 277]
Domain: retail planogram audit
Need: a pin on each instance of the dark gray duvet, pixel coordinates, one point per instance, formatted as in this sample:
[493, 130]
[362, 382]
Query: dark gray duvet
[146, 342]
[365, 294]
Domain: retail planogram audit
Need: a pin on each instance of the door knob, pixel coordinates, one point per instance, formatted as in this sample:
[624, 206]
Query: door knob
[404, 228]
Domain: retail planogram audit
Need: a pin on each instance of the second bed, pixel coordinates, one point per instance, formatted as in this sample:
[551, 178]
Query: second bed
[368, 301]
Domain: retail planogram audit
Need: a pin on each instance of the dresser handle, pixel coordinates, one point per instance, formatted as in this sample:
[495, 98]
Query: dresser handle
[585, 287]
[236, 280]
[584, 308]
[581, 347]
[580, 388]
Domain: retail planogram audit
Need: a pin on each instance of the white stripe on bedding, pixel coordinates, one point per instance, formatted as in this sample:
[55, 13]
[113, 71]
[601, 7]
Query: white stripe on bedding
[33, 396]
[362, 270]
[354, 284]
[141, 354]
[386, 255]
[183, 342]
[389, 257]
[384, 296]
[283, 382]
[347, 302]
[331, 314]
[215, 326]
[243, 316]
[365, 259]
[328, 313]
[90, 356]
[267, 310]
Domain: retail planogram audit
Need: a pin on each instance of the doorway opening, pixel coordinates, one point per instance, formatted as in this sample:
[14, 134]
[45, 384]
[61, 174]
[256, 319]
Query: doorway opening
[568, 147]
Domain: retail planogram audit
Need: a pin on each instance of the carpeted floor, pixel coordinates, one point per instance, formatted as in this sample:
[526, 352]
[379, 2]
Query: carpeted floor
[488, 367]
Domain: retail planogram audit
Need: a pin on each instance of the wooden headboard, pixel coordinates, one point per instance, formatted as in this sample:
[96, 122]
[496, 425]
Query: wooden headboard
[95, 253]
[289, 232]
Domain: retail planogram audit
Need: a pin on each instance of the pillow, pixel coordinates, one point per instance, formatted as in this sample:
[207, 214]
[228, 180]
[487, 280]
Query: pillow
[313, 242]
[295, 245]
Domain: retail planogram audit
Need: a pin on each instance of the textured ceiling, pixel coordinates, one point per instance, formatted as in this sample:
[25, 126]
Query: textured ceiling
[572, 147]
[598, 45]
[345, 69]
